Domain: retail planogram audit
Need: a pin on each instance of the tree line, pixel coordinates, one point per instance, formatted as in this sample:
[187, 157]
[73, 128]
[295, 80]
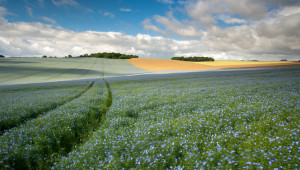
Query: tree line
[195, 59]
[100, 55]
[110, 55]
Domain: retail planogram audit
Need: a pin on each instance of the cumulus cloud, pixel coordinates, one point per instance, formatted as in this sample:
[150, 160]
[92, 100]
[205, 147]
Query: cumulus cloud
[271, 34]
[37, 39]
[231, 20]
[149, 26]
[260, 29]
[173, 26]
[239, 42]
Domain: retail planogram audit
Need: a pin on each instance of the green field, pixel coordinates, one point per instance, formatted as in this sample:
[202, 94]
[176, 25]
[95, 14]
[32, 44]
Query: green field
[226, 119]
[36, 70]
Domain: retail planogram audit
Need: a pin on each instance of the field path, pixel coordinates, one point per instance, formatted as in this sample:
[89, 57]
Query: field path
[166, 64]
[21, 119]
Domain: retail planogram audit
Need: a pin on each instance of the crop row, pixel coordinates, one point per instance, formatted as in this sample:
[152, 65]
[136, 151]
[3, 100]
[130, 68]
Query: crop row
[20, 105]
[40, 142]
[239, 121]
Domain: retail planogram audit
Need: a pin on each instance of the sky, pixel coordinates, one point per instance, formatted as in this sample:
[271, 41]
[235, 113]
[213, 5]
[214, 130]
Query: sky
[265, 30]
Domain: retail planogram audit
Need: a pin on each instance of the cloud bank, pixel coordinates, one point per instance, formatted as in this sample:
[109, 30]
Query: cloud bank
[248, 29]
[223, 29]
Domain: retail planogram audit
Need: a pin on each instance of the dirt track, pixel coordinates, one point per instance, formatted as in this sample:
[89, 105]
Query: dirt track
[165, 64]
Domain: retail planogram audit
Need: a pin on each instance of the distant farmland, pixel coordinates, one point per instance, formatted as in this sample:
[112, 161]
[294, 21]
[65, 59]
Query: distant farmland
[35, 70]
[165, 64]
[121, 116]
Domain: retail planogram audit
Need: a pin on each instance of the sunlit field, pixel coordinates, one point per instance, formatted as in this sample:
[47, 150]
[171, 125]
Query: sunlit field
[165, 64]
[244, 119]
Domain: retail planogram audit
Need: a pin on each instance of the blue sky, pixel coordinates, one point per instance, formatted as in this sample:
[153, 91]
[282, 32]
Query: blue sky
[223, 29]
[82, 15]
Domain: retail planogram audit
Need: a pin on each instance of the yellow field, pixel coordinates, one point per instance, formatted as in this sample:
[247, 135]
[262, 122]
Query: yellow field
[166, 64]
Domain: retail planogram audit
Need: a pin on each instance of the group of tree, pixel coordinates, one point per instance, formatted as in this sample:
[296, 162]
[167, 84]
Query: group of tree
[44, 56]
[100, 55]
[195, 59]
[2, 56]
[113, 55]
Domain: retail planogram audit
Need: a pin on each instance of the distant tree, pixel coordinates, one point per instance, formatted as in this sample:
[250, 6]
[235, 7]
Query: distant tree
[69, 56]
[44, 56]
[283, 60]
[2, 56]
[112, 55]
[194, 59]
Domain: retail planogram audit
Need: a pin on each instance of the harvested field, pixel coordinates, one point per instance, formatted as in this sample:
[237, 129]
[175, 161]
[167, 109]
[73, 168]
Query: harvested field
[166, 64]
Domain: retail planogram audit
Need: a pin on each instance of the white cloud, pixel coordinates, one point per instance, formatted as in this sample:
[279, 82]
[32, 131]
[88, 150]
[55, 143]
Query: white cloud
[50, 20]
[256, 29]
[149, 26]
[229, 20]
[271, 38]
[109, 14]
[73, 3]
[166, 1]
[125, 10]
[246, 8]
[173, 25]
[289, 11]
[4, 12]
[65, 2]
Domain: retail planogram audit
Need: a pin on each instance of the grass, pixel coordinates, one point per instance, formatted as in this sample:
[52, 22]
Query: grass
[230, 120]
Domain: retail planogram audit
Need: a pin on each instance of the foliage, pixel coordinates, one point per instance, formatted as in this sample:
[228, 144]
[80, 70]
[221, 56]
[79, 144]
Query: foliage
[85, 56]
[20, 105]
[44, 56]
[194, 59]
[223, 120]
[2, 56]
[243, 121]
[40, 142]
[113, 55]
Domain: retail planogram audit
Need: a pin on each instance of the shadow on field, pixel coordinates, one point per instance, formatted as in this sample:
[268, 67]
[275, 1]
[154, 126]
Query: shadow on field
[167, 74]
[208, 73]
[16, 62]
[20, 70]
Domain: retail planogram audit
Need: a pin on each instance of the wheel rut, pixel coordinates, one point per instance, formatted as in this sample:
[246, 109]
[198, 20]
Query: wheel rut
[44, 110]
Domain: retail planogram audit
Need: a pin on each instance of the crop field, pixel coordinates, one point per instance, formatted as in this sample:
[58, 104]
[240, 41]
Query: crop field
[165, 64]
[36, 70]
[246, 119]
